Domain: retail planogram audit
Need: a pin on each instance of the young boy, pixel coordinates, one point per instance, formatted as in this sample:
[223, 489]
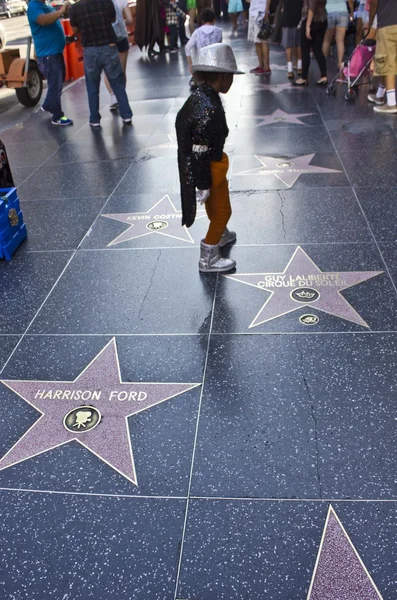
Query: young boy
[205, 35]
[292, 14]
[201, 134]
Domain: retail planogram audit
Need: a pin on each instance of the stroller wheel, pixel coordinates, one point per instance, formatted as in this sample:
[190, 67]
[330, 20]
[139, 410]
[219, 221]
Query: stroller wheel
[350, 95]
[331, 91]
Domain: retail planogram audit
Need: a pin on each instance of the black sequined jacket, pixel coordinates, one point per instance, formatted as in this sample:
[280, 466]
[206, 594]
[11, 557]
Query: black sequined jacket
[201, 131]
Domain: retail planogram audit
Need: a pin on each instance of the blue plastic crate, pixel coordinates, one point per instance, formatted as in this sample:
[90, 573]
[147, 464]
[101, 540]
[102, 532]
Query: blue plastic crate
[12, 228]
[19, 236]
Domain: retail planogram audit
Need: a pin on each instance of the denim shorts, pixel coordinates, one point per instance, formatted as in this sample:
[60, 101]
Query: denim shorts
[338, 19]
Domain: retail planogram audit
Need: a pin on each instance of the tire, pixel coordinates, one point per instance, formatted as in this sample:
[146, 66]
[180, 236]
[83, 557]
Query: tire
[350, 96]
[330, 90]
[30, 95]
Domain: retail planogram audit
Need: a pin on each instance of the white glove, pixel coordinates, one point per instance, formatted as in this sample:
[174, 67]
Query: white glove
[202, 195]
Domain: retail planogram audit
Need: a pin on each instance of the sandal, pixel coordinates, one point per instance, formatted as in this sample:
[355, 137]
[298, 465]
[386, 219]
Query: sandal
[301, 82]
[322, 82]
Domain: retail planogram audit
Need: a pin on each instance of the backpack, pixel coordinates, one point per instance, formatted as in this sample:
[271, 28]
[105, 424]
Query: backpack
[119, 26]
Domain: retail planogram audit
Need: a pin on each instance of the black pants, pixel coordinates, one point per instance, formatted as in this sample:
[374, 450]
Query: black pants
[317, 31]
[173, 35]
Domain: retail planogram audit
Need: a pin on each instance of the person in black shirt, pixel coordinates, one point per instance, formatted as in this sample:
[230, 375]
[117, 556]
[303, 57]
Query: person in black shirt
[201, 135]
[92, 20]
[292, 13]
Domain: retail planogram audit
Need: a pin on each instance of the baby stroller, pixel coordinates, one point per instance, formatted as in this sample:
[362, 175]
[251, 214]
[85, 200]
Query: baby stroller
[356, 67]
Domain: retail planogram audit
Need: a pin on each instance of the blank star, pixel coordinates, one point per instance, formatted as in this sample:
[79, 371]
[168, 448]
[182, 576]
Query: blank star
[275, 67]
[287, 170]
[279, 116]
[278, 87]
[339, 571]
[161, 219]
[110, 440]
[325, 287]
[172, 143]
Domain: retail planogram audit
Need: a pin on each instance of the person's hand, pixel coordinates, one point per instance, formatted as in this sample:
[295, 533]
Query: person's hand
[308, 34]
[202, 195]
[65, 7]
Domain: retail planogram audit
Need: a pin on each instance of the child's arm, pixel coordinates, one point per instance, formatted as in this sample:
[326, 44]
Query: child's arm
[202, 138]
[191, 44]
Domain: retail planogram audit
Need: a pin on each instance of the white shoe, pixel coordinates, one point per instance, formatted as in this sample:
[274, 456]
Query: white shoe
[375, 100]
[386, 109]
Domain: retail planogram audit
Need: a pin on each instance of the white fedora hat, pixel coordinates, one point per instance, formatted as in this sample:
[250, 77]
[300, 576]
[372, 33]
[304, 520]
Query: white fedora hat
[217, 58]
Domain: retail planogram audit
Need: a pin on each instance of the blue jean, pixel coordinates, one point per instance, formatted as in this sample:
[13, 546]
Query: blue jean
[96, 60]
[53, 69]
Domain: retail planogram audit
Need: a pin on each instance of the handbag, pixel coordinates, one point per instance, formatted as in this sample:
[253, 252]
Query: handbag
[266, 30]
[119, 27]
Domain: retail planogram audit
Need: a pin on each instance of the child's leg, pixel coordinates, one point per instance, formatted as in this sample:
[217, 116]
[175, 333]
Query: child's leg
[218, 206]
[266, 56]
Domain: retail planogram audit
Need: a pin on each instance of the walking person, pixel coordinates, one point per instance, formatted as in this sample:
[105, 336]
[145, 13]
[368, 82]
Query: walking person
[201, 134]
[291, 34]
[123, 17]
[192, 11]
[385, 55]
[235, 8]
[313, 28]
[93, 19]
[259, 10]
[339, 14]
[49, 42]
[203, 36]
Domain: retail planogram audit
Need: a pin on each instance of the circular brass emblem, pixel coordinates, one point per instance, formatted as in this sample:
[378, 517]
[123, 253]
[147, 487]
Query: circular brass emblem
[309, 319]
[157, 225]
[82, 419]
[285, 165]
[305, 295]
[279, 119]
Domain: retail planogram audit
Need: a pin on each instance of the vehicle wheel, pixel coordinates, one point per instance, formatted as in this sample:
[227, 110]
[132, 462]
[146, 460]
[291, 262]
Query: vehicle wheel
[30, 95]
[331, 91]
[350, 95]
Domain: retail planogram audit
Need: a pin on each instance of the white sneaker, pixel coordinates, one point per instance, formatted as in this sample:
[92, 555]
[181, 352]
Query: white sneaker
[375, 100]
[386, 109]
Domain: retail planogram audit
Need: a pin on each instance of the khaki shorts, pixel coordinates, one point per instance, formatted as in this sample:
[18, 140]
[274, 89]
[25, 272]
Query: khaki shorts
[386, 51]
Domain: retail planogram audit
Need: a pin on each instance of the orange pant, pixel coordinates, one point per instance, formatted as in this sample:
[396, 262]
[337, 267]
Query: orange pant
[218, 206]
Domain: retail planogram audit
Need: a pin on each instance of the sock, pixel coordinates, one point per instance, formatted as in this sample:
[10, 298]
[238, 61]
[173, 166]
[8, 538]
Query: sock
[381, 92]
[290, 67]
[299, 64]
[391, 97]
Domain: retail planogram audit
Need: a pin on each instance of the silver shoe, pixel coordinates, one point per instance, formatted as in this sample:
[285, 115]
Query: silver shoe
[228, 237]
[211, 260]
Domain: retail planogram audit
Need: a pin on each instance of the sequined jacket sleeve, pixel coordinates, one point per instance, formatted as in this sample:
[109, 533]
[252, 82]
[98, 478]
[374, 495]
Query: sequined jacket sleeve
[201, 133]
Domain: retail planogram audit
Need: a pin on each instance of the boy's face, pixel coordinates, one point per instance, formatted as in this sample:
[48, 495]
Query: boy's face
[226, 83]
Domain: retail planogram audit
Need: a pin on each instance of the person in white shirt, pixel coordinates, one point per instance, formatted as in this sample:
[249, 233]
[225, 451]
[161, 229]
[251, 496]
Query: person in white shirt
[259, 9]
[123, 17]
[205, 35]
[338, 21]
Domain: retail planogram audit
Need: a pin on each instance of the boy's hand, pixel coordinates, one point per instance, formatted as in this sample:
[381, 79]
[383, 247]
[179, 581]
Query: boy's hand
[202, 195]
